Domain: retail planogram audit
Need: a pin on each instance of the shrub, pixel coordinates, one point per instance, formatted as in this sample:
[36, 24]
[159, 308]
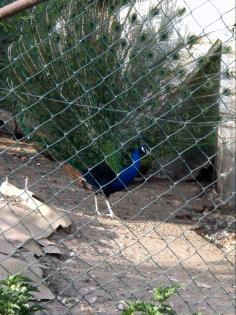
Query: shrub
[16, 296]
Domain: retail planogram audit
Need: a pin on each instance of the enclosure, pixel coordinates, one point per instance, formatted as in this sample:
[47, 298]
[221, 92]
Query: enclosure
[131, 103]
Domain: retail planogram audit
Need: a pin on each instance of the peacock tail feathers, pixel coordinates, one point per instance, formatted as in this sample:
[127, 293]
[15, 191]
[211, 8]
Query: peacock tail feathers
[89, 76]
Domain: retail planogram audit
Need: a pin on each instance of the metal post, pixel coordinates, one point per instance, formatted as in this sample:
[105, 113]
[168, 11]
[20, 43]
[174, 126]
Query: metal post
[16, 7]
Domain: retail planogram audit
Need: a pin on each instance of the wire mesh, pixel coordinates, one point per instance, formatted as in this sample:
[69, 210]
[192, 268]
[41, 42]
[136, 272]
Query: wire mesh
[87, 85]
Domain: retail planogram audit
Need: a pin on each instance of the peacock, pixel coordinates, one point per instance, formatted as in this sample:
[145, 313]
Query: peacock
[102, 179]
[87, 77]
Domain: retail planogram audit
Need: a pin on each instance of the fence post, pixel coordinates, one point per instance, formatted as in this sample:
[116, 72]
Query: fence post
[226, 159]
[226, 162]
[16, 7]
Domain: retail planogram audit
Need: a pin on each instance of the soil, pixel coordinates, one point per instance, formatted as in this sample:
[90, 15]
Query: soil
[163, 233]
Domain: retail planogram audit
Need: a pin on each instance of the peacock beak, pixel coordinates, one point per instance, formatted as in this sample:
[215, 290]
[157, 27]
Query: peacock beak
[149, 150]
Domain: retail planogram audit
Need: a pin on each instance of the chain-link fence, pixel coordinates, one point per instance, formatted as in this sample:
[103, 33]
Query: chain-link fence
[130, 103]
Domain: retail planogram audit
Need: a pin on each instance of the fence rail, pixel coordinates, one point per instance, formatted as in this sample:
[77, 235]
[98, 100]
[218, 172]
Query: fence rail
[17, 7]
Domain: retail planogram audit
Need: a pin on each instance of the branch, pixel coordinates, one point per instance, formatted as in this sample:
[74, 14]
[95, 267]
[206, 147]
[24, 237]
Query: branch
[17, 7]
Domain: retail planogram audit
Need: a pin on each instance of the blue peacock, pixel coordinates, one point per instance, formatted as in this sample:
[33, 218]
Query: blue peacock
[104, 180]
[95, 76]
[102, 177]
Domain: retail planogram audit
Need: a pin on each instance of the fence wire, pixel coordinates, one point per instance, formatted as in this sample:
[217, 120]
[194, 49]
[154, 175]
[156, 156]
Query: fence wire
[143, 93]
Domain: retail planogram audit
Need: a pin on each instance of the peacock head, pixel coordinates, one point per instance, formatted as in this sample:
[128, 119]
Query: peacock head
[138, 153]
[144, 149]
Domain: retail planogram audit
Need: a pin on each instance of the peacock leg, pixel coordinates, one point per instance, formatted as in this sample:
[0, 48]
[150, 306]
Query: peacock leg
[96, 205]
[111, 214]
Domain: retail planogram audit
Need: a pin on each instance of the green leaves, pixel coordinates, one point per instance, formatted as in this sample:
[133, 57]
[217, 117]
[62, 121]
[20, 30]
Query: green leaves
[160, 295]
[143, 307]
[163, 293]
[157, 307]
[16, 296]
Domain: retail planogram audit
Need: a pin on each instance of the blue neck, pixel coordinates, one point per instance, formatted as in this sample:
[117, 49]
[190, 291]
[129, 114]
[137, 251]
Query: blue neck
[135, 156]
[128, 174]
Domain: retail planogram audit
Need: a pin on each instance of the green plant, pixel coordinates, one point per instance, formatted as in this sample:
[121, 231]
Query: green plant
[157, 307]
[16, 296]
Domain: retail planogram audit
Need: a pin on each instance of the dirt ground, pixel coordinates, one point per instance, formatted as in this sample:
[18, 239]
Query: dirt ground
[162, 234]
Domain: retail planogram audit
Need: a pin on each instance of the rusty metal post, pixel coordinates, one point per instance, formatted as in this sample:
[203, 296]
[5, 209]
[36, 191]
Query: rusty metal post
[16, 7]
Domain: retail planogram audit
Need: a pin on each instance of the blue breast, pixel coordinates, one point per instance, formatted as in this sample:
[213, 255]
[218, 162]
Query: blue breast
[128, 174]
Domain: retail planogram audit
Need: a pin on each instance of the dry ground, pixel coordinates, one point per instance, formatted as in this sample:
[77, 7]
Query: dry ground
[161, 234]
